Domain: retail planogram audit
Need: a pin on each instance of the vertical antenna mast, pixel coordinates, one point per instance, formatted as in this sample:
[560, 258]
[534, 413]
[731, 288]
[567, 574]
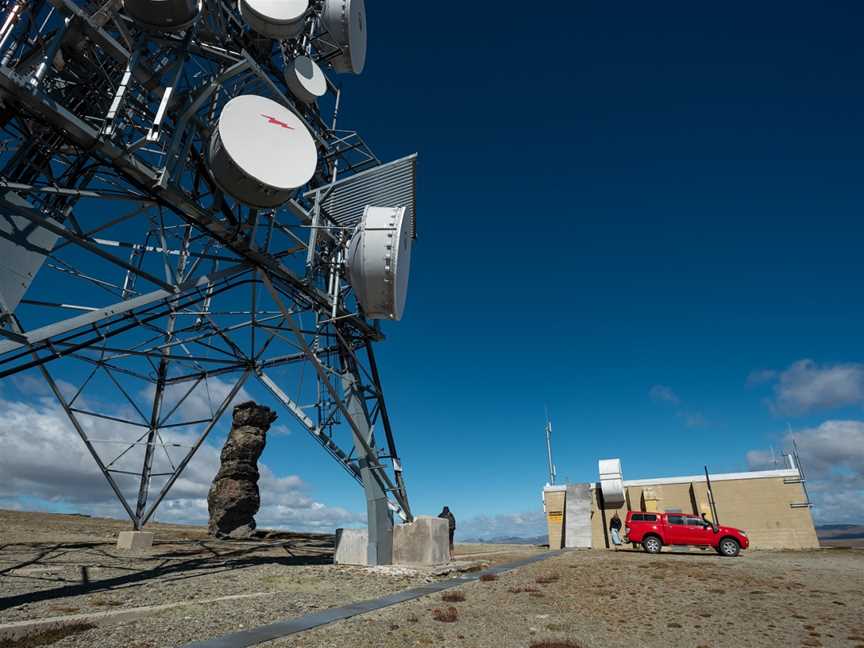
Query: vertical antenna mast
[549, 448]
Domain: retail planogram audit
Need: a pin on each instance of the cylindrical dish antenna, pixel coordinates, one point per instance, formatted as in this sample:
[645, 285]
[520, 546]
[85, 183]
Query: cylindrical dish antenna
[346, 22]
[305, 79]
[260, 151]
[379, 261]
[163, 15]
[275, 18]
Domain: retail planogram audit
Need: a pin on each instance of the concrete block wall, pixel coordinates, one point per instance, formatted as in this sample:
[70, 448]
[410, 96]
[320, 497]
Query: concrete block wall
[425, 541]
[351, 547]
[577, 516]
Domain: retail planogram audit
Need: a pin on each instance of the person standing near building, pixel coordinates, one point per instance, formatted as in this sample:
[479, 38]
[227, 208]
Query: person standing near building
[451, 523]
[615, 530]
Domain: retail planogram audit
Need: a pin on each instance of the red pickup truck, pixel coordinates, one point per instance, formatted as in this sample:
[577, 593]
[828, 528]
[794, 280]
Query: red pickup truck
[654, 530]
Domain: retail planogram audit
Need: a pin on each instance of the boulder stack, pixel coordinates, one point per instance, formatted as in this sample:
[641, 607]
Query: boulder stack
[234, 499]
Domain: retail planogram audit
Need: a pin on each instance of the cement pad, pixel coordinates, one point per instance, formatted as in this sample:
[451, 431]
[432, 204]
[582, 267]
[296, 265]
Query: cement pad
[454, 567]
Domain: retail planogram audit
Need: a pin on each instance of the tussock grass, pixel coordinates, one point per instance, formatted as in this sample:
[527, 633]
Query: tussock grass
[446, 615]
[452, 597]
[105, 603]
[523, 588]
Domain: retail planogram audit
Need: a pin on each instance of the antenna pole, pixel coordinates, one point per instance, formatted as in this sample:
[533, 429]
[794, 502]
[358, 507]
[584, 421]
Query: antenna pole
[549, 448]
[711, 498]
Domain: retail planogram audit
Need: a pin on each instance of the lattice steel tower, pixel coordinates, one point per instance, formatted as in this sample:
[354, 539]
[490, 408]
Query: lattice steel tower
[179, 209]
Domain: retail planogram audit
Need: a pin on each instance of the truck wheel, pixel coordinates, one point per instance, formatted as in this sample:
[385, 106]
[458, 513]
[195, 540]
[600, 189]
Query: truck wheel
[729, 547]
[652, 544]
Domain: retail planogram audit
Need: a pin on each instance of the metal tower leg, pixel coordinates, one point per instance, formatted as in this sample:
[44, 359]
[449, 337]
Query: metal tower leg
[380, 517]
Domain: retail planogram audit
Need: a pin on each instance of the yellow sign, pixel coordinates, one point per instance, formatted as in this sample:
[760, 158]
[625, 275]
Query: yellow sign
[556, 517]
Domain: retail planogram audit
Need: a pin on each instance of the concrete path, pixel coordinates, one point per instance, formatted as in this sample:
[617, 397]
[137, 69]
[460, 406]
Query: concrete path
[279, 629]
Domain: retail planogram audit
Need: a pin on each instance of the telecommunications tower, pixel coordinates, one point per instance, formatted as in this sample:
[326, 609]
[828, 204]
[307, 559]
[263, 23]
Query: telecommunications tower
[180, 214]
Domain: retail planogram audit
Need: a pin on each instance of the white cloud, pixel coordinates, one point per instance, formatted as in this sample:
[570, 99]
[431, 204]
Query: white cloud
[664, 394]
[693, 419]
[805, 386]
[832, 456]
[43, 458]
[277, 429]
[518, 525]
[760, 377]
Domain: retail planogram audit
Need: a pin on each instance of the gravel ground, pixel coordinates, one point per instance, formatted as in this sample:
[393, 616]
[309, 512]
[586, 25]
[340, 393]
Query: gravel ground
[609, 599]
[287, 575]
[599, 599]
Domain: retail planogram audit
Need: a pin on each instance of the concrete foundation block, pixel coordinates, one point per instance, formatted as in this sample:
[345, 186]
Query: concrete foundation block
[425, 541]
[577, 517]
[352, 547]
[135, 540]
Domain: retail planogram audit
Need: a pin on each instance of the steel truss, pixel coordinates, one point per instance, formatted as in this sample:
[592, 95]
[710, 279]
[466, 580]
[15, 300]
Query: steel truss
[142, 283]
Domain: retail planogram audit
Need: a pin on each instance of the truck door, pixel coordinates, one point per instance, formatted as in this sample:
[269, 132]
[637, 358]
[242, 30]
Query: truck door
[676, 530]
[697, 532]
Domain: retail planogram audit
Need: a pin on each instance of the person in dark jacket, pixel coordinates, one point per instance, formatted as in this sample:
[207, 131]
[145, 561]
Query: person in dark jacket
[615, 530]
[451, 523]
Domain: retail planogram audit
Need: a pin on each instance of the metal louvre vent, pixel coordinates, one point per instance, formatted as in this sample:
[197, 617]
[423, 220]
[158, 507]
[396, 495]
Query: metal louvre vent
[388, 185]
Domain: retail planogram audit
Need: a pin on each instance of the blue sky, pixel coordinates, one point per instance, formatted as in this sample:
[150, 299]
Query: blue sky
[624, 196]
[624, 211]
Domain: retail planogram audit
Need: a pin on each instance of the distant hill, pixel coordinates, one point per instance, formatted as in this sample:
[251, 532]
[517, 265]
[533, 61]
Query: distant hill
[536, 540]
[834, 535]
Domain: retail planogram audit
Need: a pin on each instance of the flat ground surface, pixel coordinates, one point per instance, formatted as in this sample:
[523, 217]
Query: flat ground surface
[591, 598]
[59, 565]
[598, 599]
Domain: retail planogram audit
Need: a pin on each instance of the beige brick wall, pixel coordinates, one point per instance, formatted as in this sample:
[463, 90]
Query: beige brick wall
[761, 507]
[553, 502]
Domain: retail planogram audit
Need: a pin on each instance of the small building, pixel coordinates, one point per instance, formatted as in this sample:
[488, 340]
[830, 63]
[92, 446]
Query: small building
[770, 505]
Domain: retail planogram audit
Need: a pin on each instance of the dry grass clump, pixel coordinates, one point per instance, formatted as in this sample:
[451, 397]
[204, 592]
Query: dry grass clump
[47, 637]
[523, 588]
[105, 603]
[547, 578]
[452, 597]
[447, 615]
[488, 578]
[555, 643]
[62, 609]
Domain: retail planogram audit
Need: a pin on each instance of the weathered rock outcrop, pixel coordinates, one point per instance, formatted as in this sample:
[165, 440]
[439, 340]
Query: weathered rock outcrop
[234, 499]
